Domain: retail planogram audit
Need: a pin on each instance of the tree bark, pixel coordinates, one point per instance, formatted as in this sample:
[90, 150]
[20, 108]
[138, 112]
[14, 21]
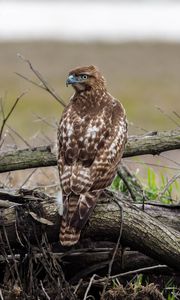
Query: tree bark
[151, 143]
[146, 233]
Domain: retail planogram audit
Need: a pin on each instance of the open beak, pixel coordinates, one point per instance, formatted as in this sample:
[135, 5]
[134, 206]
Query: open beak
[71, 80]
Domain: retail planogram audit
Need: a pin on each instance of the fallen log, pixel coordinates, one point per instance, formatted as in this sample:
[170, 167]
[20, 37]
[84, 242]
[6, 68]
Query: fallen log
[151, 143]
[141, 231]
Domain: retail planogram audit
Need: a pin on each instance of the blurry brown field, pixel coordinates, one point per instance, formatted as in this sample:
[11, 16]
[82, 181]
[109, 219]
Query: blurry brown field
[141, 75]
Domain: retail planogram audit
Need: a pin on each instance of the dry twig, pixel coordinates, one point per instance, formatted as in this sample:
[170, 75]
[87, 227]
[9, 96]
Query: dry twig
[43, 83]
[28, 177]
[19, 136]
[138, 271]
[5, 118]
[173, 179]
[89, 286]
[1, 295]
[44, 291]
[167, 115]
[115, 249]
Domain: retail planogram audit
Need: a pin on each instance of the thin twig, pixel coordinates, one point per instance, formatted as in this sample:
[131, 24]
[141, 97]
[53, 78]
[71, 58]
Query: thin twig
[44, 85]
[1, 295]
[2, 107]
[12, 254]
[170, 159]
[16, 229]
[136, 126]
[47, 138]
[160, 204]
[174, 178]
[138, 271]
[7, 203]
[12, 137]
[89, 286]
[176, 114]
[133, 196]
[115, 249]
[31, 81]
[19, 136]
[44, 291]
[151, 164]
[39, 118]
[29, 176]
[5, 118]
[77, 286]
[101, 280]
[167, 115]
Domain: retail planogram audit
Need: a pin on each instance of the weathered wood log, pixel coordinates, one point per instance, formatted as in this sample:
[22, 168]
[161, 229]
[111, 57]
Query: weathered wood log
[142, 232]
[98, 262]
[82, 263]
[151, 143]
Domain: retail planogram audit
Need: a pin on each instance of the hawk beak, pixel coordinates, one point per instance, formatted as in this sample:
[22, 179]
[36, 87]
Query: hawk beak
[71, 79]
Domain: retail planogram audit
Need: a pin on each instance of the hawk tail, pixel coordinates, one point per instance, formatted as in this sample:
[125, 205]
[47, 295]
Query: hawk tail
[77, 209]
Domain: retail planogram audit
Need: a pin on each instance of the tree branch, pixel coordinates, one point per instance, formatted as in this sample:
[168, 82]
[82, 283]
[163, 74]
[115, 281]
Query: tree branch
[43, 156]
[5, 118]
[146, 233]
[43, 83]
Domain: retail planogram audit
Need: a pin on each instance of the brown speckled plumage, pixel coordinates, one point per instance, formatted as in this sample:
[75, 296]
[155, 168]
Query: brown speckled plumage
[91, 137]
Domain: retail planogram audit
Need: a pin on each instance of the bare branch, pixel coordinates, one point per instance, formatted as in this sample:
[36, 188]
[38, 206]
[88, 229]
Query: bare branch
[176, 114]
[44, 156]
[89, 286]
[5, 118]
[19, 136]
[151, 164]
[39, 118]
[31, 81]
[1, 295]
[162, 242]
[139, 271]
[44, 83]
[115, 250]
[27, 179]
[170, 159]
[133, 272]
[167, 115]
[2, 108]
[131, 182]
[44, 291]
[174, 178]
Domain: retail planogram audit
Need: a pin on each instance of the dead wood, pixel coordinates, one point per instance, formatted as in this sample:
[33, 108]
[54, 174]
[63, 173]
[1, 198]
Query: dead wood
[151, 143]
[153, 232]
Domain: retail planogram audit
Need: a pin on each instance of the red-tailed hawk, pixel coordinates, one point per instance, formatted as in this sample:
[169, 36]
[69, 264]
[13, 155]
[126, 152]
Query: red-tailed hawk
[91, 137]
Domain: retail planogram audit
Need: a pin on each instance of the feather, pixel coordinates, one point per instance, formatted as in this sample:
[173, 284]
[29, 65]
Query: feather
[59, 202]
[91, 138]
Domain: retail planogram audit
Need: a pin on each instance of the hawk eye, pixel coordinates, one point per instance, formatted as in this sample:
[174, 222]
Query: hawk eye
[84, 76]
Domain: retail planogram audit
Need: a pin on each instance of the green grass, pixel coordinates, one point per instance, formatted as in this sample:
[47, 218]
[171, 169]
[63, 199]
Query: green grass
[153, 187]
[118, 185]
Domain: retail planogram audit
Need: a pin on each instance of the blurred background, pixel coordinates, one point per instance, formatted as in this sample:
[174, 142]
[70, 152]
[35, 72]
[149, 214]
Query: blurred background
[135, 43]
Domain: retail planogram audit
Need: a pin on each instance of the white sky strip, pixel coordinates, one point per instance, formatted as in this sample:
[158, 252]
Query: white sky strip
[85, 21]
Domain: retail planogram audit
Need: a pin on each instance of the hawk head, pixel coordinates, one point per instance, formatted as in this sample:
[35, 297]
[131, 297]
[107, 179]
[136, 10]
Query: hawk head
[85, 78]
